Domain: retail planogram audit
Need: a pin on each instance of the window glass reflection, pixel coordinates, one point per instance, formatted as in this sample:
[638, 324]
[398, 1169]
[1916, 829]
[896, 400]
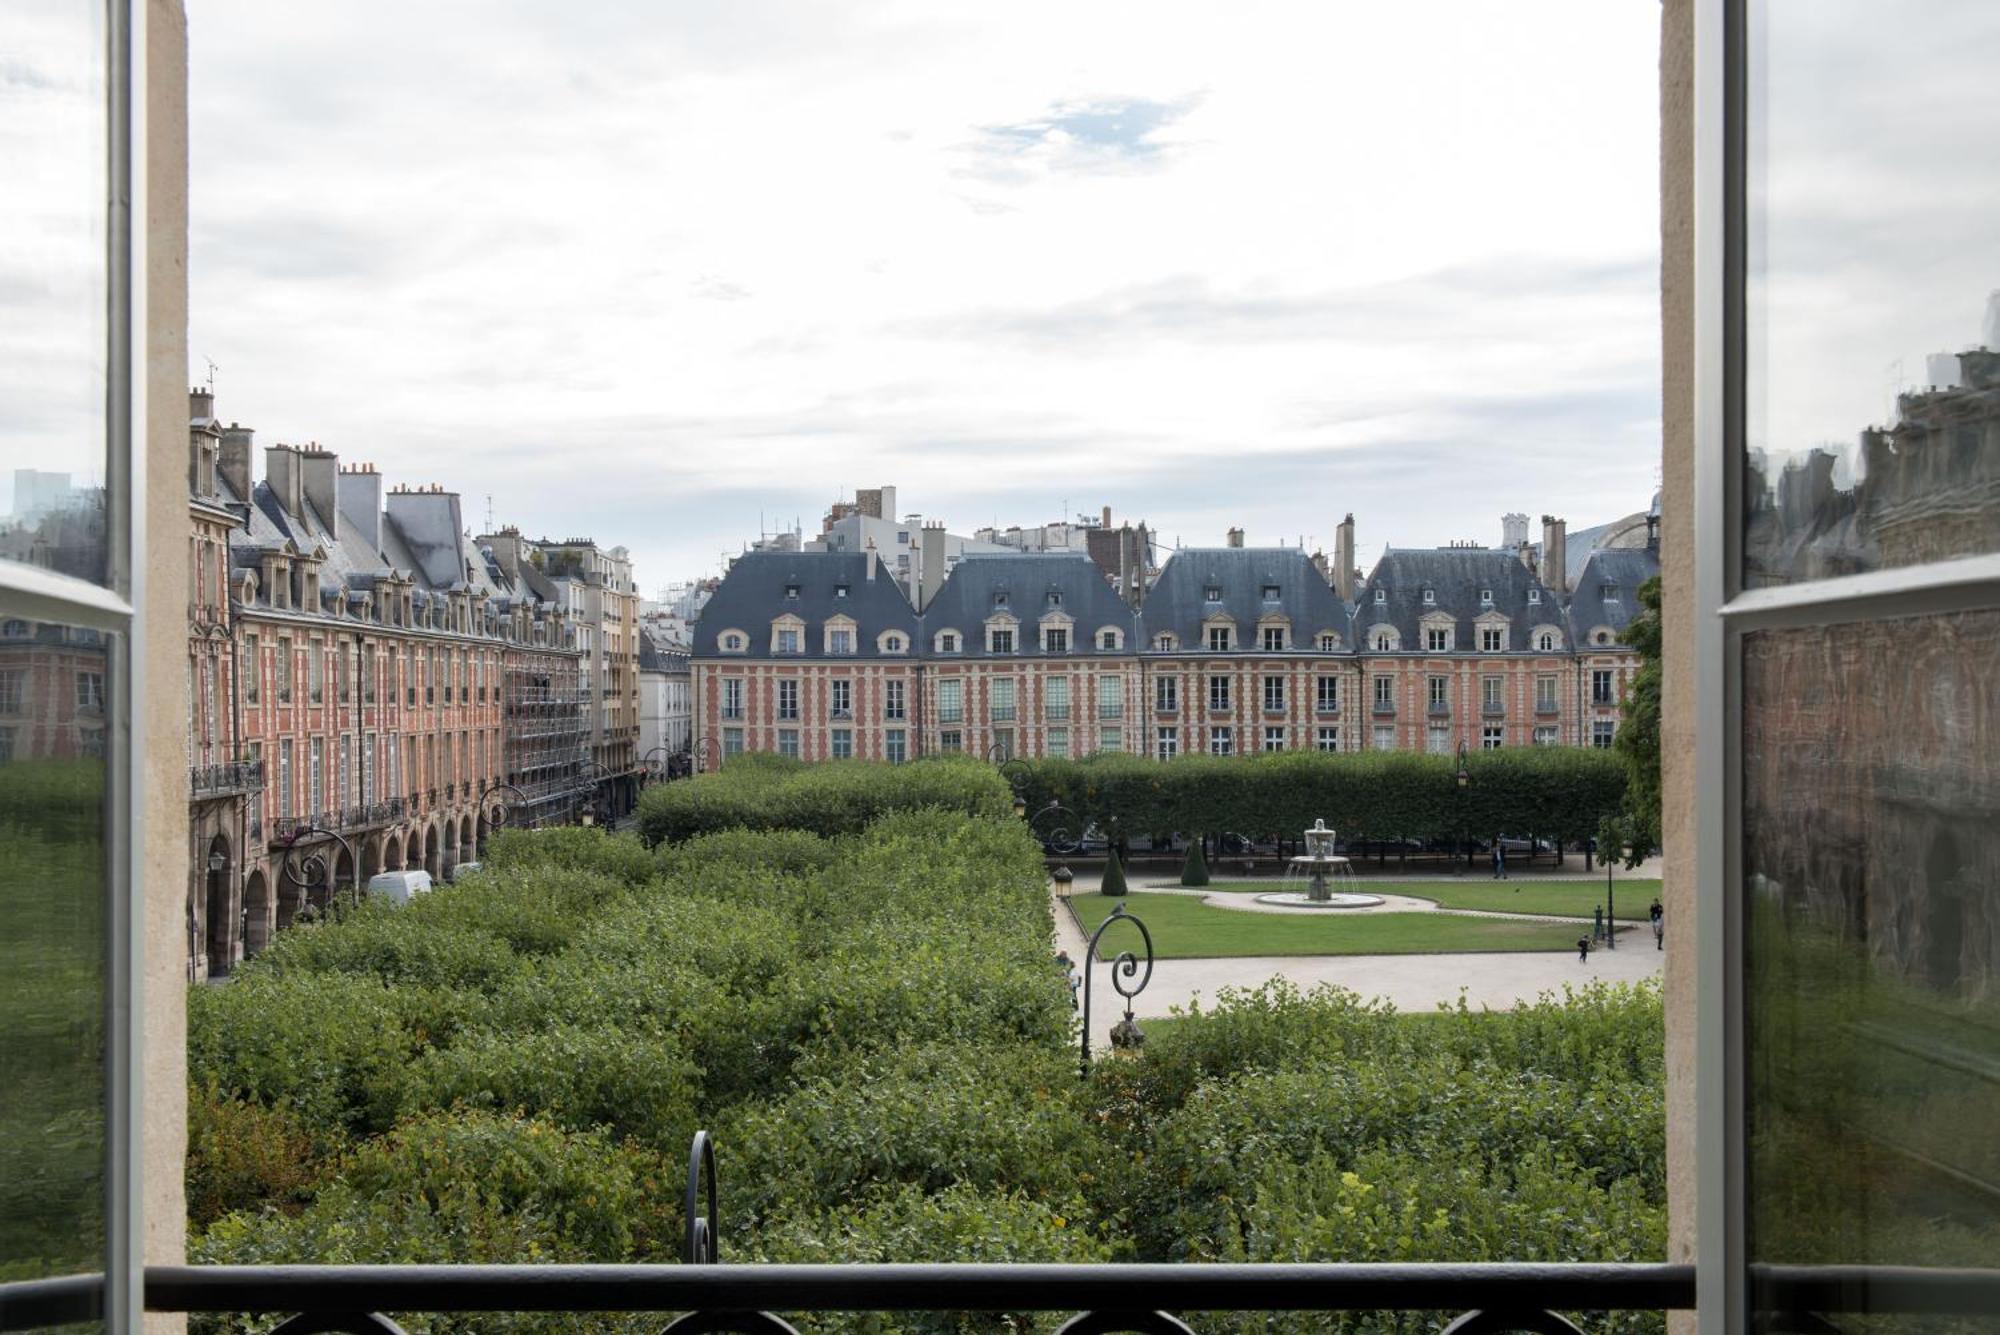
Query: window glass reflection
[52, 286]
[1871, 775]
[1873, 287]
[53, 682]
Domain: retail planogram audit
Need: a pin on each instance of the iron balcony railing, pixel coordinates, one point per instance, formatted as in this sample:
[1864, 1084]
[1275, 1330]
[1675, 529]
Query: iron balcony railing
[1494, 1299]
[241, 776]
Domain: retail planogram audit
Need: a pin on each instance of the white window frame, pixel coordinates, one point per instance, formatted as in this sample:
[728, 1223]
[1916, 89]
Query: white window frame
[114, 609]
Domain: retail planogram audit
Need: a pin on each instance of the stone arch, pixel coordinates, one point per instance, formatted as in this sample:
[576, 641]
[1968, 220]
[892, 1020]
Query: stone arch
[219, 904]
[467, 837]
[392, 853]
[434, 853]
[256, 913]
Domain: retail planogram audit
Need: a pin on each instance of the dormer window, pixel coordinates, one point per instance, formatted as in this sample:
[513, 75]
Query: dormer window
[792, 591]
[1274, 639]
[1328, 642]
[788, 641]
[1608, 592]
[1437, 639]
[1213, 593]
[1055, 639]
[1534, 595]
[840, 640]
[1000, 599]
[1165, 640]
[1107, 639]
[1218, 639]
[840, 590]
[1055, 597]
[1430, 597]
[1000, 640]
[1270, 593]
[947, 641]
[1486, 597]
[1381, 596]
[1384, 642]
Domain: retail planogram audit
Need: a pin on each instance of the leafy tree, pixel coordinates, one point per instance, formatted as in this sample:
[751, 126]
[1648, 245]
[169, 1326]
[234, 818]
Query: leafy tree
[1635, 826]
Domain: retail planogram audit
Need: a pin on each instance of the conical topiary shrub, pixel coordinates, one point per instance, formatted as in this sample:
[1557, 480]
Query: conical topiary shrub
[1194, 871]
[1114, 872]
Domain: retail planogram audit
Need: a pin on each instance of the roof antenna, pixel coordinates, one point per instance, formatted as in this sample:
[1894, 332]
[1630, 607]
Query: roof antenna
[489, 512]
[212, 369]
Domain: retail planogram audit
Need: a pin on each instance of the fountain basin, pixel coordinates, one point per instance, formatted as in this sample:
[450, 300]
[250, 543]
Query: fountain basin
[1303, 899]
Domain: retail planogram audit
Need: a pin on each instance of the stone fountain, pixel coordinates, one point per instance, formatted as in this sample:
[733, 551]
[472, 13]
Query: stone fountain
[1322, 869]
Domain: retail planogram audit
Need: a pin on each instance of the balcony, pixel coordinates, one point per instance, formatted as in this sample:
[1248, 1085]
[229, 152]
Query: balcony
[1439, 709]
[211, 781]
[1493, 709]
[1548, 707]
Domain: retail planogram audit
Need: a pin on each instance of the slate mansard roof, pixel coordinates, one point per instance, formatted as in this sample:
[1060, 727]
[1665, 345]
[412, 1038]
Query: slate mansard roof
[1028, 587]
[754, 594]
[1607, 592]
[1454, 577]
[1178, 602]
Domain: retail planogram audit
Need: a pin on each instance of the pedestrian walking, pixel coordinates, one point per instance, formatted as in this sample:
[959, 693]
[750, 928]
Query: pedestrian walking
[1582, 949]
[1658, 916]
[1499, 860]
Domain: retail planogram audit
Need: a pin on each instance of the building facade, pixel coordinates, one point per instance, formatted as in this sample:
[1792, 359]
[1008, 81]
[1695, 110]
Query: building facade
[1235, 649]
[666, 706]
[597, 585]
[350, 656]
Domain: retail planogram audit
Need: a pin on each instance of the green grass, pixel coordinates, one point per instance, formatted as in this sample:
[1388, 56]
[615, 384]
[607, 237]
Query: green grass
[1570, 898]
[1185, 928]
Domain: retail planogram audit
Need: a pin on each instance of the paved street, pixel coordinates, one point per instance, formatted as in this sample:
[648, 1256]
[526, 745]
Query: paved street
[1413, 982]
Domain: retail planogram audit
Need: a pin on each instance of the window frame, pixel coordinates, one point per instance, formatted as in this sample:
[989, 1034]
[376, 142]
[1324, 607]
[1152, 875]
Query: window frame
[115, 608]
[1724, 613]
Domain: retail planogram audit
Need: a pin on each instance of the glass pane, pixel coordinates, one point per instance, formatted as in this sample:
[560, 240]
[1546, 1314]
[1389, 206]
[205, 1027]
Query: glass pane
[1871, 775]
[1873, 286]
[52, 285]
[53, 692]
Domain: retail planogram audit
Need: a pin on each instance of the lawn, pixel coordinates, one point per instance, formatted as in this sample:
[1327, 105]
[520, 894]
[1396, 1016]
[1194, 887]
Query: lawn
[1185, 928]
[1570, 898]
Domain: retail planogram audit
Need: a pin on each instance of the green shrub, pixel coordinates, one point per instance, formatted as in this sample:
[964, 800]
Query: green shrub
[619, 856]
[635, 1082]
[830, 798]
[1114, 874]
[242, 1155]
[1194, 868]
[378, 941]
[991, 1117]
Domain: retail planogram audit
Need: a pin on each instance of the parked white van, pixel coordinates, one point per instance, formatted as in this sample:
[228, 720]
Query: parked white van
[400, 887]
[458, 870]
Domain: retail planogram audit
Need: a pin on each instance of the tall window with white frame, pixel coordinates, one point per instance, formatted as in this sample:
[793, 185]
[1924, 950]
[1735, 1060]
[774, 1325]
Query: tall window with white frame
[1861, 626]
[70, 586]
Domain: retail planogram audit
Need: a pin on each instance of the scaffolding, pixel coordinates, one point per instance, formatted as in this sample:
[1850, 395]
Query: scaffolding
[547, 733]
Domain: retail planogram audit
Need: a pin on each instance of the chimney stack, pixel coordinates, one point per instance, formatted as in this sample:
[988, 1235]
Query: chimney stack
[930, 564]
[1555, 554]
[234, 461]
[201, 404]
[870, 554]
[1343, 560]
[1107, 517]
[286, 478]
[1513, 531]
[1235, 537]
[320, 473]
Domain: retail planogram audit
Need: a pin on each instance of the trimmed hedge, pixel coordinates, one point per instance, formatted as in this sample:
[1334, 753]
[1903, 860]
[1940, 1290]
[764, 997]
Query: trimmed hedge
[1554, 792]
[831, 798]
[871, 1021]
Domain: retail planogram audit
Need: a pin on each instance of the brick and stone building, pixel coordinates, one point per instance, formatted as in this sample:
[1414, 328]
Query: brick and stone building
[349, 658]
[1233, 649]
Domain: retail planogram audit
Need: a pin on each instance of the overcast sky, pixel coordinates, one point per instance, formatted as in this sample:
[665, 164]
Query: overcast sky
[649, 272]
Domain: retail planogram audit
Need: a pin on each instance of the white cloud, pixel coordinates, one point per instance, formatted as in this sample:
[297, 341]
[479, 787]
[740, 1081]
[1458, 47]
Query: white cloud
[629, 268]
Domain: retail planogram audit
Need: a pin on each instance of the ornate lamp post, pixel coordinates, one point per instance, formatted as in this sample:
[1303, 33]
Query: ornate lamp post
[307, 867]
[589, 776]
[655, 770]
[1124, 967]
[495, 813]
[1464, 782]
[703, 747]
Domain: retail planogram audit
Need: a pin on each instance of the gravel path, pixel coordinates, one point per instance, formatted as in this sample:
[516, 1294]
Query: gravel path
[1500, 980]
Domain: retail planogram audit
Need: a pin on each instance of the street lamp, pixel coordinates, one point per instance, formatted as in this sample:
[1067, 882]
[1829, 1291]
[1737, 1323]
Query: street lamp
[496, 815]
[655, 771]
[589, 776]
[308, 869]
[1124, 1034]
[700, 749]
[1464, 782]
